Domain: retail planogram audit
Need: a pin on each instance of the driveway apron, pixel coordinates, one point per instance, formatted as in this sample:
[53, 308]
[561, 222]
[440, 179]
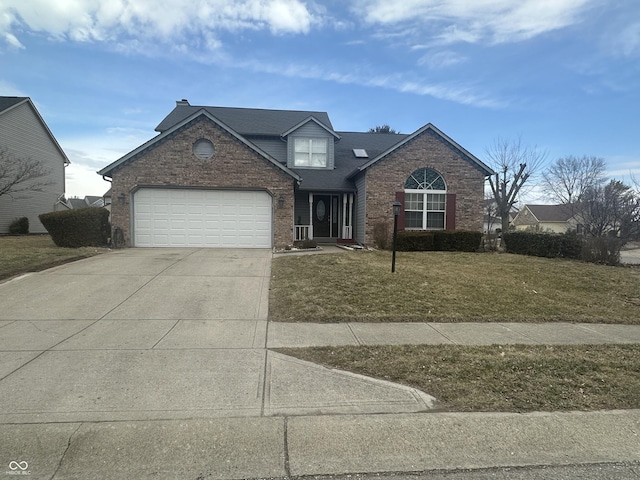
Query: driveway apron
[157, 334]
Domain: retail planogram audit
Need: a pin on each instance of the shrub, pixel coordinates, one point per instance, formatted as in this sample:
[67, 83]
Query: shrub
[604, 250]
[381, 235]
[78, 228]
[414, 241]
[438, 240]
[20, 226]
[548, 245]
[306, 243]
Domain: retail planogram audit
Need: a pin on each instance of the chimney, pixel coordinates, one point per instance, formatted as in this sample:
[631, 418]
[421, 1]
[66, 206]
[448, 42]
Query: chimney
[182, 103]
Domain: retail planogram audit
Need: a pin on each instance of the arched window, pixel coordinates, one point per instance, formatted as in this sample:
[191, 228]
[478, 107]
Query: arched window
[425, 200]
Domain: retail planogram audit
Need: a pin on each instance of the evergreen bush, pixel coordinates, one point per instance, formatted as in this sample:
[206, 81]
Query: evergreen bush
[78, 228]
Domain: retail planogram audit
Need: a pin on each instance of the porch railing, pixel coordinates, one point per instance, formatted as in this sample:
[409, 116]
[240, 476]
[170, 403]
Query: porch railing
[303, 232]
[346, 232]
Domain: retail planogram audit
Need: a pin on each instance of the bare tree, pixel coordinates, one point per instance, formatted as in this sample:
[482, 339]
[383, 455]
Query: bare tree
[20, 174]
[490, 215]
[514, 164]
[613, 210]
[569, 178]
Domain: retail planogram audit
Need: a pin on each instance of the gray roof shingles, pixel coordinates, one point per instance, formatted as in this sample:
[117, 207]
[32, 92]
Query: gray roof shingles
[8, 102]
[551, 213]
[247, 121]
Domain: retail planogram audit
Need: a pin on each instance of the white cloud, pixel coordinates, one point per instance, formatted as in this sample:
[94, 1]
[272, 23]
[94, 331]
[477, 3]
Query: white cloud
[13, 41]
[401, 82]
[627, 42]
[145, 21]
[492, 21]
[443, 59]
[90, 153]
[10, 90]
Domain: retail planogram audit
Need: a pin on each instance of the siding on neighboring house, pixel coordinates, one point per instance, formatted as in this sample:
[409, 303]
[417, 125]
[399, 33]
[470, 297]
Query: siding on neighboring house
[23, 134]
[545, 218]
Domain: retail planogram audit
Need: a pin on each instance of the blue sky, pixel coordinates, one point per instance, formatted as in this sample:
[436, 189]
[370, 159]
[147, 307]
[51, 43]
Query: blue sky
[563, 75]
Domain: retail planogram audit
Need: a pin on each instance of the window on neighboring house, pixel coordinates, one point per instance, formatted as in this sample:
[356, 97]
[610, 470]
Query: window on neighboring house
[310, 152]
[425, 200]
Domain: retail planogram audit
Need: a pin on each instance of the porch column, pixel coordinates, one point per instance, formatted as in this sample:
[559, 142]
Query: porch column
[344, 216]
[310, 216]
[351, 216]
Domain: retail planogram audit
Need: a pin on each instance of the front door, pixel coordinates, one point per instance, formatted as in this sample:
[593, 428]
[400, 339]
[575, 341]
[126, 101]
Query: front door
[321, 216]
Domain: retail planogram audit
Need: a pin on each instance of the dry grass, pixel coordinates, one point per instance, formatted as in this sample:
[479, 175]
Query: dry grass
[518, 378]
[451, 287]
[32, 253]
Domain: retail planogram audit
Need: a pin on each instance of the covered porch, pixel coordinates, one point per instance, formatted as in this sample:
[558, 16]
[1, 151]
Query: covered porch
[324, 216]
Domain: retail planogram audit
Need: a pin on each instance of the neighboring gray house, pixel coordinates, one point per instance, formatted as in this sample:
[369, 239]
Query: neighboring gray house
[25, 135]
[243, 177]
[546, 219]
[86, 202]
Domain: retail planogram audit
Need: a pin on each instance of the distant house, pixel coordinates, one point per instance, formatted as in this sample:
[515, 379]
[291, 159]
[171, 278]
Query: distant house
[546, 218]
[86, 202]
[25, 135]
[243, 177]
[492, 221]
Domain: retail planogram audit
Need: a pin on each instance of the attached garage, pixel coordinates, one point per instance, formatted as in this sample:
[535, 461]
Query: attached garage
[176, 217]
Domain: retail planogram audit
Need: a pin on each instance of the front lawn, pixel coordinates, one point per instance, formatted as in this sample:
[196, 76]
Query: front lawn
[515, 378]
[32, 253]
[450, 287]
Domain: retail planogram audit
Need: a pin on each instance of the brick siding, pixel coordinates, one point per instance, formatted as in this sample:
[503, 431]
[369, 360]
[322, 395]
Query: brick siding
[171, 163]
[388, 176]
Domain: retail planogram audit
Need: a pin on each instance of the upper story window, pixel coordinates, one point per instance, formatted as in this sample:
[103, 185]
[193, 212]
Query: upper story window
[203, 149]
[425, 200]
[310, 152]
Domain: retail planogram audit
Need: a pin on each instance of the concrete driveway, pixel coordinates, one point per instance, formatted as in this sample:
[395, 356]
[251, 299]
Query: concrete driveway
[142, 334]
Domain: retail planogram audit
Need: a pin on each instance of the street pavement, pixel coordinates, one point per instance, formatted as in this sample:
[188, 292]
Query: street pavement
[155, 363]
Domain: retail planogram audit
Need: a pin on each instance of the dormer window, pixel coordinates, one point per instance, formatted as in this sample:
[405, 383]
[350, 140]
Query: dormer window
[310, 152]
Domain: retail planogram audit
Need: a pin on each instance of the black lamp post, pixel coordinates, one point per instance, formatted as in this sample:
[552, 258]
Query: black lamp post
[396, 211]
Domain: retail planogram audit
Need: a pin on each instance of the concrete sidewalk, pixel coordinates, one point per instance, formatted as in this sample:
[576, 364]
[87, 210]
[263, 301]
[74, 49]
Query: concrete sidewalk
[334, 334]
[264, 447]
[153, 363]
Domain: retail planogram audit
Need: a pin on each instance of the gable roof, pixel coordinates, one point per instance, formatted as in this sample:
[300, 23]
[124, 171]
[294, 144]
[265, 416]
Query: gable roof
[428, 127]
[550, 213]
[247, 121]
[8, 103]
[308, 120]
[202, 112]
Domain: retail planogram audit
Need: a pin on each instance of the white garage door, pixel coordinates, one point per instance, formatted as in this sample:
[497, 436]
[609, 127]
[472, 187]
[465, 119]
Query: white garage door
[201, 218]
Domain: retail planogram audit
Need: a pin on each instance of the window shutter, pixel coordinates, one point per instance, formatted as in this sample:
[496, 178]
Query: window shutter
[400, 198]
[450, 221]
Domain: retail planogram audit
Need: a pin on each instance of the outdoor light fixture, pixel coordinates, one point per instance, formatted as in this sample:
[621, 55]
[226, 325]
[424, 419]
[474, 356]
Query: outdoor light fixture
[121, 199]
[396, 211]
[281, 201]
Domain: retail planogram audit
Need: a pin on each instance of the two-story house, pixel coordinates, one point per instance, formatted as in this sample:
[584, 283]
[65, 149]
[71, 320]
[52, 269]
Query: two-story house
[241, 177]
[25, 139]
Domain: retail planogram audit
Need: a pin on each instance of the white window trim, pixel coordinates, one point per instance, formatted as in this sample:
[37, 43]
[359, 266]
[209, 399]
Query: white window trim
[425, 210]
[311, 139]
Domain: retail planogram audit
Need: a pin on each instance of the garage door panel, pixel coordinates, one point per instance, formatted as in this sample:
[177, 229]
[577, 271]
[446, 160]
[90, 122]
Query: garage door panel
[202, 218]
